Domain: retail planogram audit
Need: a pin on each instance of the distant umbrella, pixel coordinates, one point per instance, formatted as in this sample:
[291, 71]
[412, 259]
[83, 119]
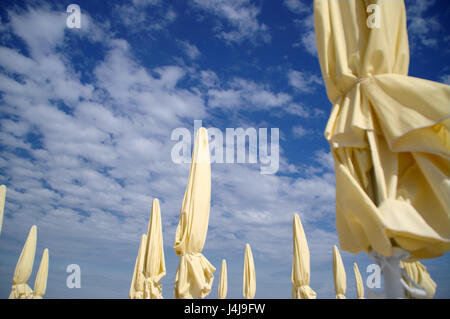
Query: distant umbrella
[40, 283]
[194, 275]
[137, 282]
[249, 280]
[154, 267]
[223, 285]
[300, 267]
[340, 280]
[24, 267]
[2, 204]
[359, 282]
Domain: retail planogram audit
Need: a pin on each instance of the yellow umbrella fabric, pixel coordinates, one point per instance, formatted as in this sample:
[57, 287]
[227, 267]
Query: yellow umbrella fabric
[249, 279]
[389, 133]
[24, 267]
[2, 204]
[418, 273]
[300, 267]
[359, 282]
[40, 283]
[155, 267]
[137, 282]
[194, 275]
[223, 284]
[340, 279]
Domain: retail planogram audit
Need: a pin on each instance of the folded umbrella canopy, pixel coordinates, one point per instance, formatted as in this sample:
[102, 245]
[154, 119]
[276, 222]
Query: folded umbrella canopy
[40, 283]
[154, 267]
[223, 285]
[418, 273]
[389, 136]
[137, 282]
[2, 204]
[340, 279]
[359, 282]
[249, 279]
[24, 267]
[194, 275]
[300, 265]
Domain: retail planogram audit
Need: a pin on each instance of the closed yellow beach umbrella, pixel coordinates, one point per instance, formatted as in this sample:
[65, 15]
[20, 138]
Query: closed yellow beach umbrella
[300, 267]
[340, 279]
[249, 279]
[137, 282]
[194, 275]
[155, 267]
[418, 273]
[359, 282]
[223, 285]
[389, 135]
[24, 267]
[40, 283]
[2, 204]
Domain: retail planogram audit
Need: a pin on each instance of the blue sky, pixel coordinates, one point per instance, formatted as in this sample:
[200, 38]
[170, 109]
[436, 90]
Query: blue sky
[86, 117]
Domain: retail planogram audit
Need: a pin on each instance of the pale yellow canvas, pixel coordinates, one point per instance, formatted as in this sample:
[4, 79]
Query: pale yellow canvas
[195, 273]
[223, 284]
[24, 267]
[388, 132]
[249, 277]
[2, 204]
[340, 279]
[300, 275]
[418, 273]
[359, 282]
[40, 283]
[154, 267]
[137, 282]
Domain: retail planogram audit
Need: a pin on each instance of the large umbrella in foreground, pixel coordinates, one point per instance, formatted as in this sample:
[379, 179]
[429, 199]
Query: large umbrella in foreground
[389, 137]
[223, 285]
[300, 266]
[40, 283]
[2, 204]
[24, 267]
[154, 264]
[418, 274]
[137, 282]
[359, 282]
[249, 279]
[194, 275]
[340, 279]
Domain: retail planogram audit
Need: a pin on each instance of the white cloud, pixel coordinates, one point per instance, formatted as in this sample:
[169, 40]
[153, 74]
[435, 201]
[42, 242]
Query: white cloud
[296, 6]
[303, 81]
[299, 131]
[240, 15]
[445, 79]
[189, 49]
[422, 27]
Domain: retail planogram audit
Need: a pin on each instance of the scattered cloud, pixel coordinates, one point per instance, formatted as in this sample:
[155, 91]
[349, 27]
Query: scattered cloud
[422, 26]
[240, 18]
[296, 6]
[299, 131]
[303, 81]
[189, 49]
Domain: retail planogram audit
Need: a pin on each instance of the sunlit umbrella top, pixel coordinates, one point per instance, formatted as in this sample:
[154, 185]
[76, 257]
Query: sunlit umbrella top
[154, 267]
[40, 283]
[340, 279]
[249, 278]
[300, 268]
[223, 284]
[389, 132]
[359, 282]
[2, 204]
[24, 267]
[194, 275]
[137, 282]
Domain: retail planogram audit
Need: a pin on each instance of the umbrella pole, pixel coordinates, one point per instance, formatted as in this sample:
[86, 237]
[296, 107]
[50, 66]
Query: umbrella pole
[392, 275]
